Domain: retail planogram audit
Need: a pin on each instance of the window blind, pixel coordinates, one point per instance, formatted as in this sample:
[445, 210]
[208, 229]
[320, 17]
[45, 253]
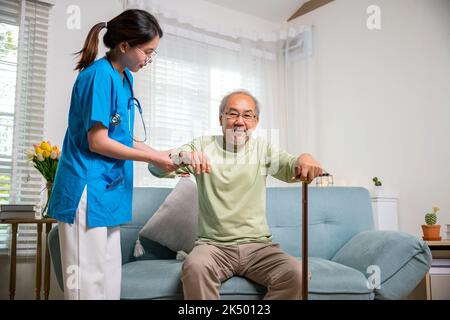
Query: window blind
[23, 59]
[182, 89]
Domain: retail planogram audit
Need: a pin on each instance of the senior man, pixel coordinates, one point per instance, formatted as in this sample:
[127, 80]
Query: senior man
[233, 233]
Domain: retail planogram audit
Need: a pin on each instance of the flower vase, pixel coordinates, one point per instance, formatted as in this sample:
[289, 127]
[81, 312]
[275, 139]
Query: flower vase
[378, 191]
[48, 186]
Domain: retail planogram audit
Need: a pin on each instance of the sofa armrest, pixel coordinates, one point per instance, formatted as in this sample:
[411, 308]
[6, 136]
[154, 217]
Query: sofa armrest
[55, 255]
[402, 261]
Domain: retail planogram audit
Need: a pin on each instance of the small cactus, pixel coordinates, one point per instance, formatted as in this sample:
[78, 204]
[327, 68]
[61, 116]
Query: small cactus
[431, 218]
[376, 181]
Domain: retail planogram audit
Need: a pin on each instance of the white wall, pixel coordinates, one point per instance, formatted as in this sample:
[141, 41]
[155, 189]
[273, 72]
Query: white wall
[63, 42]
[383, 104]
[210, 14]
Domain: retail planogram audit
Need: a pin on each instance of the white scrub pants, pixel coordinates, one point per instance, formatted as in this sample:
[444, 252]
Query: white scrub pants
[91, 258]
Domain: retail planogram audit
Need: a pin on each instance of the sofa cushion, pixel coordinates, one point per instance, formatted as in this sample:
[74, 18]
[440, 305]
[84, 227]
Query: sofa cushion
[174, 224]
[400, 258]
[336, 214]
[331, 280]
[160, 279]
[152, 279]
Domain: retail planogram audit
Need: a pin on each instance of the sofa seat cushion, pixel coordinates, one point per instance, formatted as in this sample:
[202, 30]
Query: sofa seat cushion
[152, 279]
[160, 279]
[331, 280]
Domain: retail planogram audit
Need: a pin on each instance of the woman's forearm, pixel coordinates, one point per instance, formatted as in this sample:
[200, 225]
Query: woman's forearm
[101, 143]
[143, 147]
[114, 149]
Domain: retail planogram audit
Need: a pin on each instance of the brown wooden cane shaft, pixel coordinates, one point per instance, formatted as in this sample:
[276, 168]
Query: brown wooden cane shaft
[305, 241]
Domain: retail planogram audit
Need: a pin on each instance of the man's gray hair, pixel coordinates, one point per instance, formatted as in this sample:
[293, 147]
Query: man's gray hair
[225, 99]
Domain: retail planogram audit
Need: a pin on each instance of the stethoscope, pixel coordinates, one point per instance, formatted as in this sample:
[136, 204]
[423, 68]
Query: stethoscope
[116, 119]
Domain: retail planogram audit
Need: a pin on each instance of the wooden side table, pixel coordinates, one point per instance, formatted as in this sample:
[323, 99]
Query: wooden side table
[439, 249]
[443, 244]
[12, 273]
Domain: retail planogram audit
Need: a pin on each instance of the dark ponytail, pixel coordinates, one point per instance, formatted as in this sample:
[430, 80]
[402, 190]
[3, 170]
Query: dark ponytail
[90, 48]
[132, 26]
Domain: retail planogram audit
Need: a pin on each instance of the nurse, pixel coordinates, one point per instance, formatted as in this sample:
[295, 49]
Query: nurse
[92, 191]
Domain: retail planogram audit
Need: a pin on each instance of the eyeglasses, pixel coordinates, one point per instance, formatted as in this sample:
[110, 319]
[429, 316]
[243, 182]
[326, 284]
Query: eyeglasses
[148, 58]
[232, 115]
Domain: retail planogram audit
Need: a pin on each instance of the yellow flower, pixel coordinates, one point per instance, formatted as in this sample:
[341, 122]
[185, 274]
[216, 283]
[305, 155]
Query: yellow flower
[46, 146]
[46, 154]
[38, 150]
[29, 154]
[435, 209]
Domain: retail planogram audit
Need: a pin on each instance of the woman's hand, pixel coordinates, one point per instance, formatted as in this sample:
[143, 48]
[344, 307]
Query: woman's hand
[162, 160]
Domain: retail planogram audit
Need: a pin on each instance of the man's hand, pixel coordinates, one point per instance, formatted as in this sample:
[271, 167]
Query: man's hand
[198, 160]
[307, 169]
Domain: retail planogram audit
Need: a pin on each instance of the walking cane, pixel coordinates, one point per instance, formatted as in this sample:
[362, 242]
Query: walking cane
[305, 240]
[305, 276]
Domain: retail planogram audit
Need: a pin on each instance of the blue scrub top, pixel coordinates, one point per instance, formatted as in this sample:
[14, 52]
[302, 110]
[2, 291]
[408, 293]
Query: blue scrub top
[97, 91]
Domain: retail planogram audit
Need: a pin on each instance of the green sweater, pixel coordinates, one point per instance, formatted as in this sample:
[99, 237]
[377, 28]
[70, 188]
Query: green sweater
[232, 198]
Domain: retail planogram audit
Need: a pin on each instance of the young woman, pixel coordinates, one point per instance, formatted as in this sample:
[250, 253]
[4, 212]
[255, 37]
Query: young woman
[92, 190]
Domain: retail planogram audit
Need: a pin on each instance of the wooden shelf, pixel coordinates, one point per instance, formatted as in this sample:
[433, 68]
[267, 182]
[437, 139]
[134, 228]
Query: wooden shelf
[443, 242]
[439, 250]
[28, 220]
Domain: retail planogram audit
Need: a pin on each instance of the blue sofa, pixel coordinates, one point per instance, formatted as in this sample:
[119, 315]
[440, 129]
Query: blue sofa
[348, 258]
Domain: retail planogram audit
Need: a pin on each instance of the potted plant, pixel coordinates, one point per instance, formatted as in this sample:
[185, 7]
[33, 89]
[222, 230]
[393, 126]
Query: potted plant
[45, 158]
[378, 190]
[431, 230]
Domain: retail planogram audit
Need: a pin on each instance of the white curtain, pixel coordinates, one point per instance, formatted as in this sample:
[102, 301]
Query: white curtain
[298, 93]
[197, 65]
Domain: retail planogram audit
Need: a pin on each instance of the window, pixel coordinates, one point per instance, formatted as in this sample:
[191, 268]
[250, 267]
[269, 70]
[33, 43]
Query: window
[182, 89]
[23, 51]
[8, 68]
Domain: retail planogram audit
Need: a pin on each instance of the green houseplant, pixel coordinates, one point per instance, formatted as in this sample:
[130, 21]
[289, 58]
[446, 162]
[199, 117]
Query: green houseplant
[377, 182]
[431, 230]
[378, 189]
